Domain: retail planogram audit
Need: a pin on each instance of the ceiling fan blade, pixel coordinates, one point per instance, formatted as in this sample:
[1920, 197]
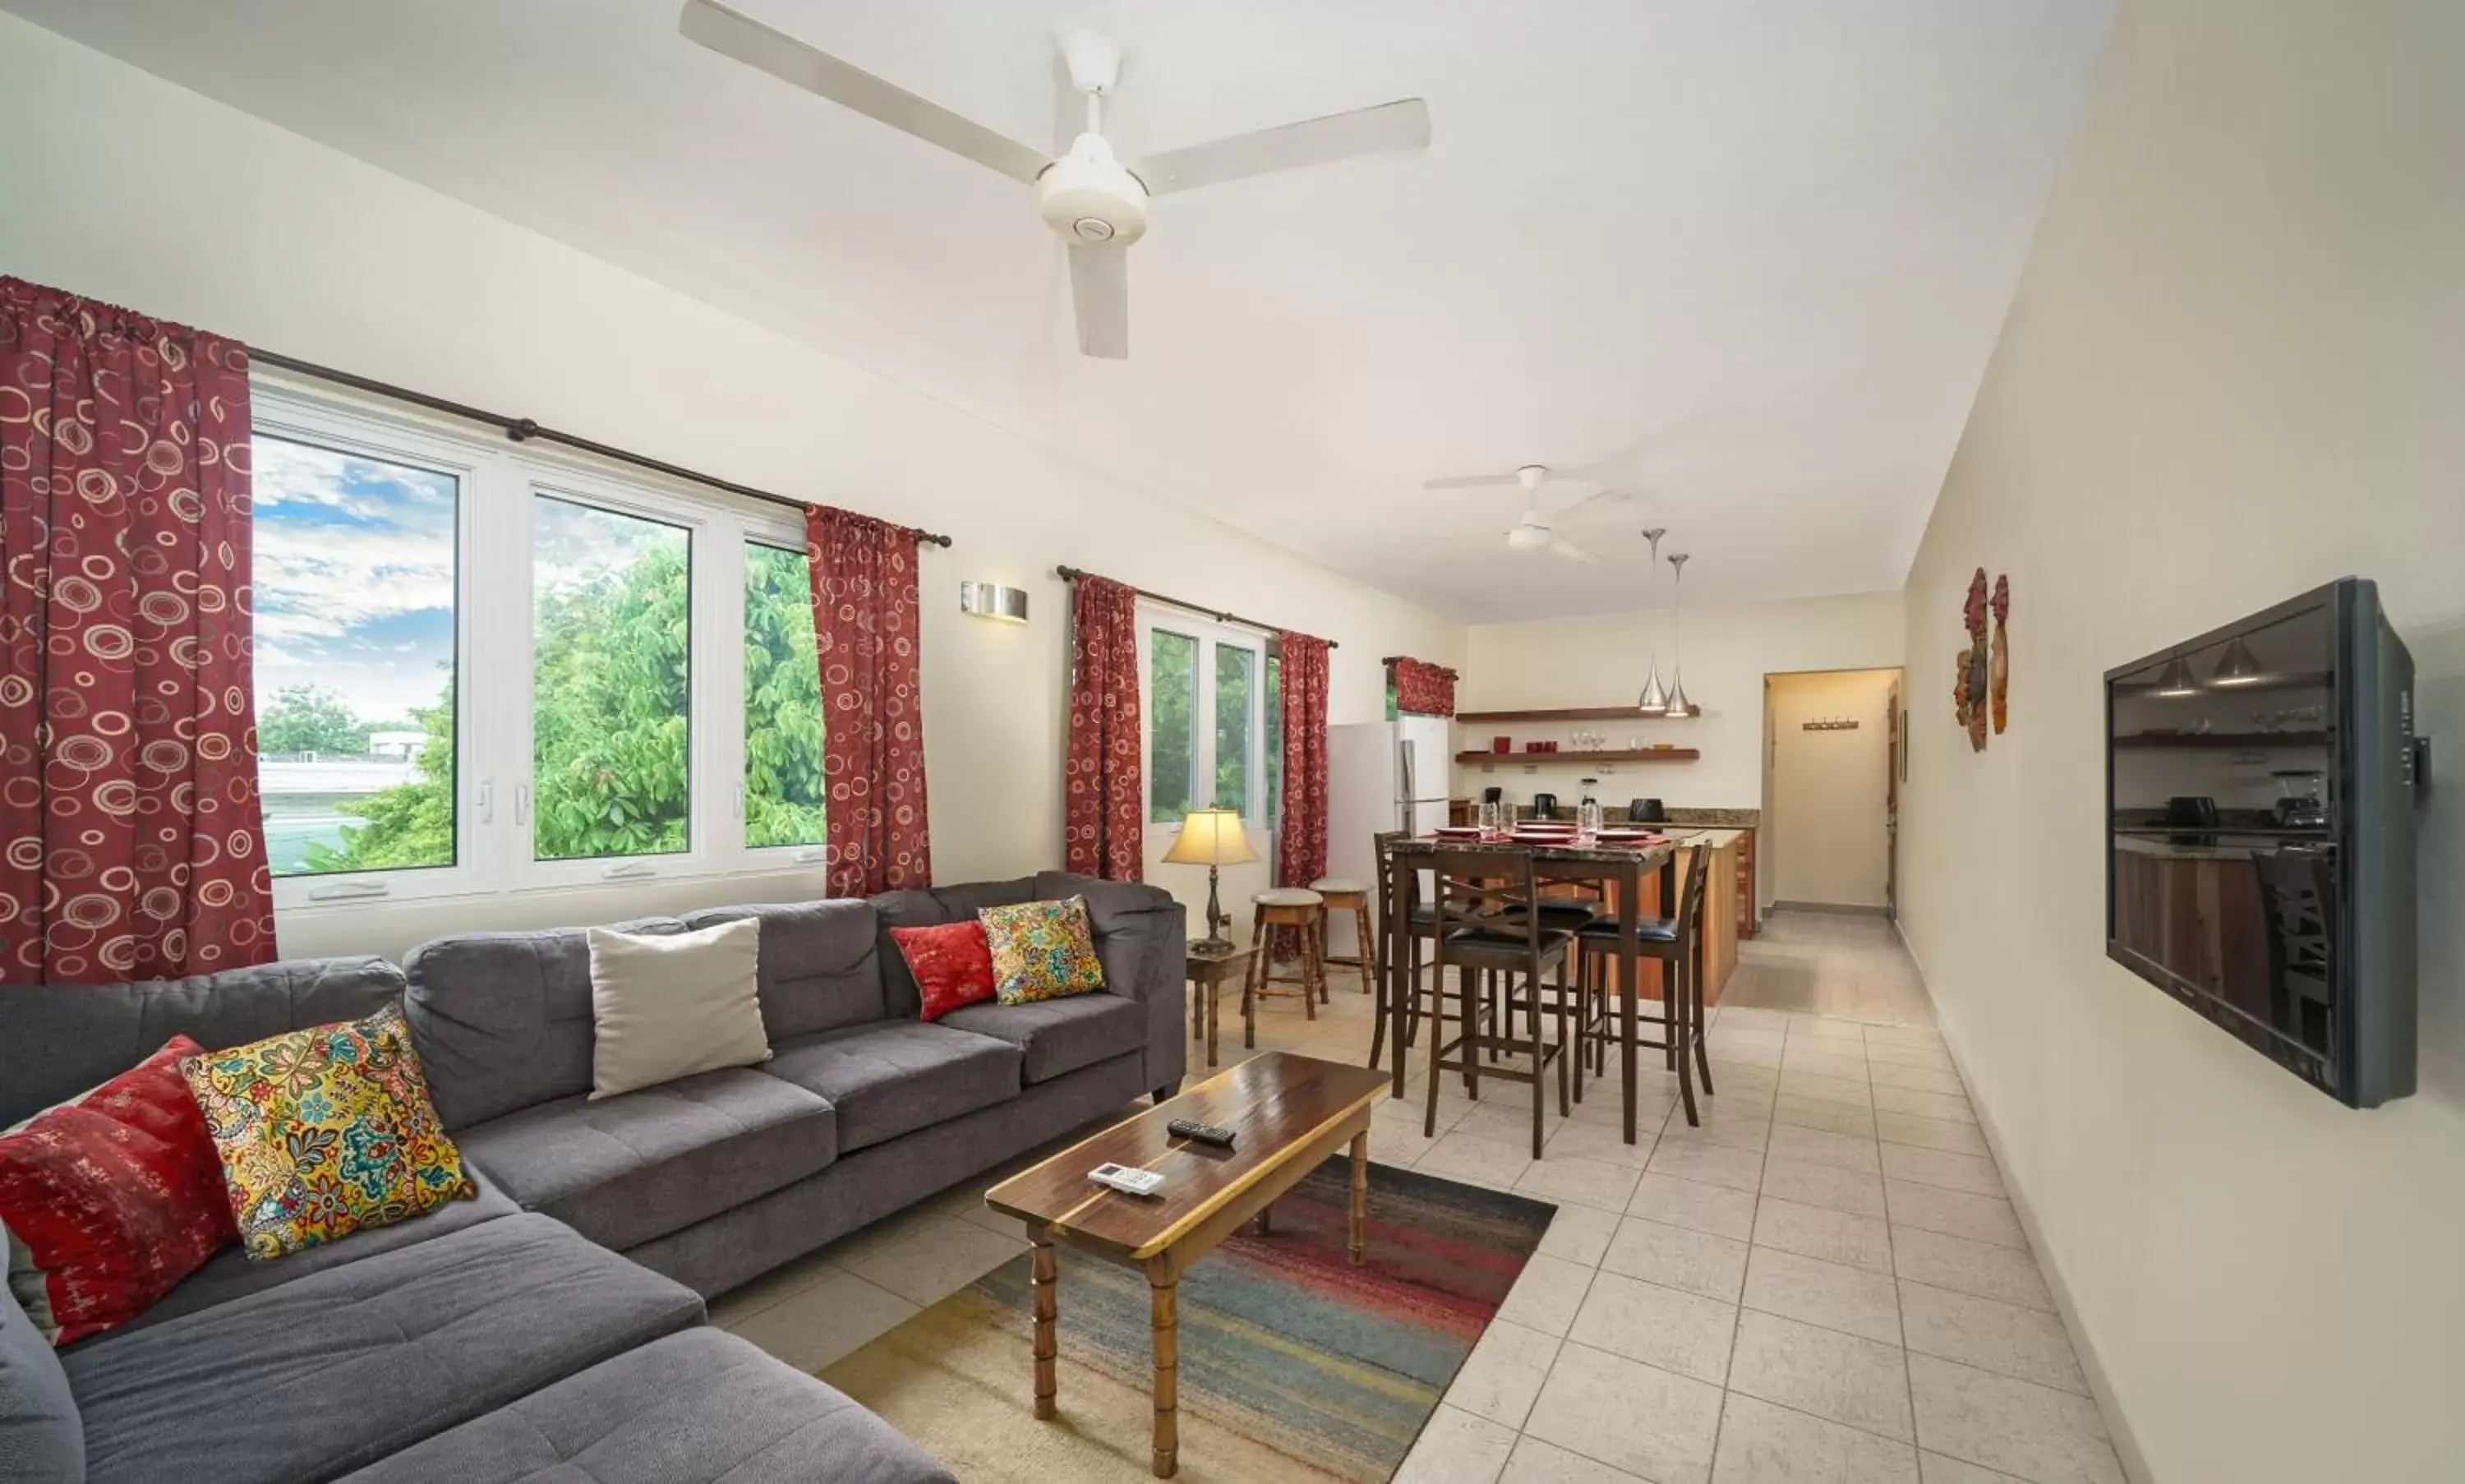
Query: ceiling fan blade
[1099, 286]
[1470, 481]
[732, 33]
[1558, 546]
[1401, 125]
[1592, 504]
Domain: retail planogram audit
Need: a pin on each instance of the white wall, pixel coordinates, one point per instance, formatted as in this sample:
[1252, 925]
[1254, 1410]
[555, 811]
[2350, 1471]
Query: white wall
[1600, 662]
[127, 188]
[2235, 369]
[1826, 837]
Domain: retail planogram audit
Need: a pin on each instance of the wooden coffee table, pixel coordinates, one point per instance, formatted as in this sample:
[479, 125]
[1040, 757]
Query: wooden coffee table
[1291, 1113]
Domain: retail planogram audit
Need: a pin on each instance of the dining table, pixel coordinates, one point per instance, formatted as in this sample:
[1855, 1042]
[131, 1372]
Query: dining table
[1618, 866]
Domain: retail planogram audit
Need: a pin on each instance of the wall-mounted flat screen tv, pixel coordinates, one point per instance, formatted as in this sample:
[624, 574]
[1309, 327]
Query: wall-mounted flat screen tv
[2261, 788]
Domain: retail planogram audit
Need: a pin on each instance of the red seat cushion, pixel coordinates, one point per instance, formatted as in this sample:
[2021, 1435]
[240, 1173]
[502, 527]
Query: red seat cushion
[111, 1199]
[952, 964]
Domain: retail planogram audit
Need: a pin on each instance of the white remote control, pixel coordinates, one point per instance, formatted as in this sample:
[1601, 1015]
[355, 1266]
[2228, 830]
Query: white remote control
[1127, 1179]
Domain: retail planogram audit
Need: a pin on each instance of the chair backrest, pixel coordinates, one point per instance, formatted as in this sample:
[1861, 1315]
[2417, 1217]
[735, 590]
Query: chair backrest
[1484, 889]
[1690, 894]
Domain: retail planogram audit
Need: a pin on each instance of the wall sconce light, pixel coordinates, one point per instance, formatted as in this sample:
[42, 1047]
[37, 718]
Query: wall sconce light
[991, 600]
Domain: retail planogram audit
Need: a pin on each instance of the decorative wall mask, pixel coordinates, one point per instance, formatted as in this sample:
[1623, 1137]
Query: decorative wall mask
[2002, 666]
[1981, 670]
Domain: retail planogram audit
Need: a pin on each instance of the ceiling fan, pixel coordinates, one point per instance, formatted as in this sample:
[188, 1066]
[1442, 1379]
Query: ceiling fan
[1096, 204]
[1535, 532]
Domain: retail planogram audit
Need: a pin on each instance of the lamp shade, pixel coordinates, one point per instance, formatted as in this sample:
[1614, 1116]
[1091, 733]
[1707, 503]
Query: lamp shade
[1210, 838]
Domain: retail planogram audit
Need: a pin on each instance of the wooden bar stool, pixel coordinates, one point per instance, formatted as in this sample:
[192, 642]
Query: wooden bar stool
[1342, 894]
[1303, 911]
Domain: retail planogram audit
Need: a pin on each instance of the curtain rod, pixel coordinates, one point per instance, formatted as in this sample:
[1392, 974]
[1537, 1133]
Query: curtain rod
[1071, 574]
[521, 429]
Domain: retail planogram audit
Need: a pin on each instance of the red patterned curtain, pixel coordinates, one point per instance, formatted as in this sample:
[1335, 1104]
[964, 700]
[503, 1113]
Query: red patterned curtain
[873, 715]
[134, 848]
[1103, 803]
[1423, 689]
[1300, 835]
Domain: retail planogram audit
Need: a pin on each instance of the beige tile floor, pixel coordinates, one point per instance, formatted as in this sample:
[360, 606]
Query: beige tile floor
[1821, 1283]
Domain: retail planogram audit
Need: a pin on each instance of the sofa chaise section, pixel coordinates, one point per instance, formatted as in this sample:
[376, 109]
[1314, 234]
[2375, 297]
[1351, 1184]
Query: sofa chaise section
[338, 1369]
[697, 1408]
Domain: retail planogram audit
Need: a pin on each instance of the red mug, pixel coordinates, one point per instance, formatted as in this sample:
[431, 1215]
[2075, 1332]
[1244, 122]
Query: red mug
[1501, 744]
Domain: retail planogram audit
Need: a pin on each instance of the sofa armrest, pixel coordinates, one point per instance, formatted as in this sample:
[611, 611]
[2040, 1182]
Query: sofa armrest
[1140, 939]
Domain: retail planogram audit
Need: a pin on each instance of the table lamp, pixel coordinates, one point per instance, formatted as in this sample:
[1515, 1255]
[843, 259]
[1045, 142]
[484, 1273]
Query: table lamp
[1211, 837]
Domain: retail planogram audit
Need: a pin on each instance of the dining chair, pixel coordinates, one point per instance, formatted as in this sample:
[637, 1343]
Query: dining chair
[1498, 960]
[1677, 944]
[1400, 994]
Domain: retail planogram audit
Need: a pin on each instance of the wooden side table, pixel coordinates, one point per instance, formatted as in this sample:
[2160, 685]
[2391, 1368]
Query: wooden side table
[1207, 974]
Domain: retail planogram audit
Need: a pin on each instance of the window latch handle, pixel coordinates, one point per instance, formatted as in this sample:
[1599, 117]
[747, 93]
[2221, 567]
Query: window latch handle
[629, 870]
[349, 891]
[521, 803]
[486, 802]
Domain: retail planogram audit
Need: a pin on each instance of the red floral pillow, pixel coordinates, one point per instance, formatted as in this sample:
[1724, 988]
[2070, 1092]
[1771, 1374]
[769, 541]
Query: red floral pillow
[952, 965]
[110, 1199]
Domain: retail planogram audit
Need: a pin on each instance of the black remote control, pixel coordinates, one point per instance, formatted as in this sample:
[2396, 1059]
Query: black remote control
[1203, 1133]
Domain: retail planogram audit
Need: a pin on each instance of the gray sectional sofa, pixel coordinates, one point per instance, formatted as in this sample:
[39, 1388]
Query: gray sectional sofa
[505, 1339]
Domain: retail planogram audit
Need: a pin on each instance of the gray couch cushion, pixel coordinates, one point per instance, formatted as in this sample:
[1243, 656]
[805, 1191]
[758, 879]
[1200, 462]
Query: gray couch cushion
[41, 1436]
[58, 1040]
[308, 1380]
[502, 1020]
[640, 1164]
[926, 908]
[819, 966]
[232, 1273]
[1142, 940]
[693, 1409]
[1059, 1035]
[897, 1076]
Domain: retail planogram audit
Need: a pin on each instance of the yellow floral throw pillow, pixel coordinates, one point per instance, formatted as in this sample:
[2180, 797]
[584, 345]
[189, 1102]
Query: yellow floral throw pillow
[325, 1131]
[1042, 950]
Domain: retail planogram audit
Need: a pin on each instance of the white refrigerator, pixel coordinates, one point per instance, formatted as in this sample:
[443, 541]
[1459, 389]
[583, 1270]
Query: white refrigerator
[1381, 776]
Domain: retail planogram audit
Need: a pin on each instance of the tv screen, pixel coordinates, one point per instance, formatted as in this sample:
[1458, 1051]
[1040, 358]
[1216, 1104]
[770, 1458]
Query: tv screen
[2260, 782]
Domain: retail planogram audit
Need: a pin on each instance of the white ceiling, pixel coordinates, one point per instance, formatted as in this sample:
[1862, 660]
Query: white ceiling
[1755, 250]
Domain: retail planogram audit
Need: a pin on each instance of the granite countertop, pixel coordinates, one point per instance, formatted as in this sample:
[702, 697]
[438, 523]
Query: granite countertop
[1723, 819]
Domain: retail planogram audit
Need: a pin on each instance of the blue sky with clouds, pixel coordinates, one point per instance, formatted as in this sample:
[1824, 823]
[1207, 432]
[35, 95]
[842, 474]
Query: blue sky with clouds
[354, 577]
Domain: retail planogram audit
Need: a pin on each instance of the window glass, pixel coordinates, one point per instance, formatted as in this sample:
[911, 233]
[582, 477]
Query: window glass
[611, 682]
[354, 573]
[1235, 665]
[1172, 754]
[784, 792]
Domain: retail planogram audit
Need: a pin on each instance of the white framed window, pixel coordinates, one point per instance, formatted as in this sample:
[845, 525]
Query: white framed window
[1206, 730]
[485, 669]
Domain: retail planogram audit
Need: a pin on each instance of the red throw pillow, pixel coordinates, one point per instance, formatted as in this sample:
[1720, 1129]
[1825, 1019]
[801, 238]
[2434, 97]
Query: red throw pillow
[952, 965]
[112, 1199]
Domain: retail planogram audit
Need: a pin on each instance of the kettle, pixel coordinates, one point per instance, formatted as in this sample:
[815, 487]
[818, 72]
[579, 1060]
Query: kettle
[1544, 805]
[1646, 811]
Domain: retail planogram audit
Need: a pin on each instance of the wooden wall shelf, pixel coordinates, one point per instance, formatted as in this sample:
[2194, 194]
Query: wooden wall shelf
[1571, 714]
[1636, 755]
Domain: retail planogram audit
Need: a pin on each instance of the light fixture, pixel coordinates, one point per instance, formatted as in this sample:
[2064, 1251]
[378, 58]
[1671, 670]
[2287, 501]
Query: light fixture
[992, 600]
[1653, 702]
[1678, 703]
[1211, 837]
[2175, 681]
[2239, 666]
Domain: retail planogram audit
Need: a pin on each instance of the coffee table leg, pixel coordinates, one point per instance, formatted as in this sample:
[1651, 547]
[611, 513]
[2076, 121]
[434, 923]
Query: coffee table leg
[1163, 1291]
[1359, 1224]
[1047, 1276]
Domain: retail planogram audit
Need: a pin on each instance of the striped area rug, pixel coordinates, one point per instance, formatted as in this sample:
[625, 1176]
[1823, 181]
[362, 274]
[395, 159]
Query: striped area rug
[1295, 1365]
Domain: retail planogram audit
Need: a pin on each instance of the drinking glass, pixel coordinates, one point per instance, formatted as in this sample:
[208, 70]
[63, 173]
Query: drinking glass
[1492, 813]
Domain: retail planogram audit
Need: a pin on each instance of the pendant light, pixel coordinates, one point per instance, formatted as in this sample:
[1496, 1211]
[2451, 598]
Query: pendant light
[1654, 701]
[1678, 705]
[2239, 666]
[2175, 681]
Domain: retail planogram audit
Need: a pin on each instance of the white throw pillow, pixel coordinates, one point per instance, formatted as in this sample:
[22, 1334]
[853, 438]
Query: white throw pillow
[668, 1007]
